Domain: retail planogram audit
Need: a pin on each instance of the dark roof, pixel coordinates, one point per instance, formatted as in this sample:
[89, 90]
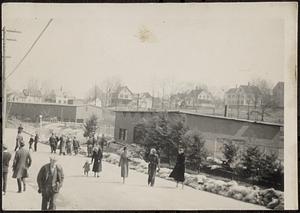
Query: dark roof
[118, 90]
[195, 92]
[250, 89]
[279, 85]
[232, 90]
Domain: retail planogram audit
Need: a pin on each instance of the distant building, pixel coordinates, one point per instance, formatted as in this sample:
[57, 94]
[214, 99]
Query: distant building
[244, 95]
[199, 97]
[26, 96]
[96, 102]
[58, 97]
[215, 129]
[122, 96]
[278, 94]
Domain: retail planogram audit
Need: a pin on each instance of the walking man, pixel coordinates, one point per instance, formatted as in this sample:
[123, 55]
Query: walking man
[75, 145]
[52, 142]
[50, 180]
[36, 140]
[30, 143]
[22, 162]
[6, 156]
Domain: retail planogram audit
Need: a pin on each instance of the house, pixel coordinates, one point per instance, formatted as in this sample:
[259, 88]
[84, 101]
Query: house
[199, 97]
[26, 96]
[58, 97]
[122, 96]
[215, 129]
[245, 95]
[278, 94]
[178, 100]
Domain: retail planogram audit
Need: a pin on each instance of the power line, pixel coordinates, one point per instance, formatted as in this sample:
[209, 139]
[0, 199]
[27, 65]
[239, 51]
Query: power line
[29, 49]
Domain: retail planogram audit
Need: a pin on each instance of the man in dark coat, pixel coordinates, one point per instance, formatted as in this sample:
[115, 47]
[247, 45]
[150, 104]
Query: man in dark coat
[52, 142]
[30, 143]
[50, 180]
[6, 156]
[75, 145]
[22, 162]
[36, 140]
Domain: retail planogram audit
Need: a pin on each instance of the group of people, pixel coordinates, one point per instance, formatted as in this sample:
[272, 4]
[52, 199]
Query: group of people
[34, 140]
[50, 177]
[64, 144]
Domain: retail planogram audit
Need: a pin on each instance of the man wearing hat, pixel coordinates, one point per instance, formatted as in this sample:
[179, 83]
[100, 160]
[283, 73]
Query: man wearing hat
[6, 156]
[50, 179]
[22, 162]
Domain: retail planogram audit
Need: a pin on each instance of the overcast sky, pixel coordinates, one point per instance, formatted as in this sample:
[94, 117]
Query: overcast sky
[213, 44]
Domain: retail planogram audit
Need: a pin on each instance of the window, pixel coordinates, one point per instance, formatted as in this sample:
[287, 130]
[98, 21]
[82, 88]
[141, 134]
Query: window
[123, 134]
[126, 96]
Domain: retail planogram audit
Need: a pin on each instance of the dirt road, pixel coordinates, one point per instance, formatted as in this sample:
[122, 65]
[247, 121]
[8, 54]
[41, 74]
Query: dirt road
[107, 192]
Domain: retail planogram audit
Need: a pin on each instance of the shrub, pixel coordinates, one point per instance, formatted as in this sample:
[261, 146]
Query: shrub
[90, 126]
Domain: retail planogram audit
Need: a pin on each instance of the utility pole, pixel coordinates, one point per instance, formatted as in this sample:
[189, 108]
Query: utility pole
[4, 57]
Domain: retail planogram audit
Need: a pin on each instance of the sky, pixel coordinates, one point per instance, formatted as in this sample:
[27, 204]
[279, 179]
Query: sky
[145, 45]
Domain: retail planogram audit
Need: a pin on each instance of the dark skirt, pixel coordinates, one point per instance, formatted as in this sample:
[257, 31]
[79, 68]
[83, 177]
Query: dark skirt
[178, 173]
[97, 166]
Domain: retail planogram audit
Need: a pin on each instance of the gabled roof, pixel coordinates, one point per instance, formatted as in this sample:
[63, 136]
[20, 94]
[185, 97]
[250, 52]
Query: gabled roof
[119, 89]
[250, 89]
[280, 84]
[231, 91]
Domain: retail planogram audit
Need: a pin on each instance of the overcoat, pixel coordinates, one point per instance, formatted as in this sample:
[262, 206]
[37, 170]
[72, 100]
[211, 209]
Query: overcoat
[97, 158]
[57, 181]
[124, 165]
[179, 169]
[22, 162]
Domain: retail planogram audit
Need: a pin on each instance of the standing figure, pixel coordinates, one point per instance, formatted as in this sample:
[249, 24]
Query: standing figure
[22, 162]
[69, 146]
[52, 142]
[30, 143]
[76, 145]
[123, 163]
[50, 180]
[62, 144]
[19, 137]
[86, 167]
[97, 158]
[6, 156]
[154, 164]
[89, 146]
[179, 169]
[36, 140]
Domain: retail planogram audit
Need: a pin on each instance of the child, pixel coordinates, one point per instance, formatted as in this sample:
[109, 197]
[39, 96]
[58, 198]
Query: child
[86, 168]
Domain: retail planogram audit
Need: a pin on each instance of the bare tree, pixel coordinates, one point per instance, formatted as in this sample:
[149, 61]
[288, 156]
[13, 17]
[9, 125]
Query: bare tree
[266, 101]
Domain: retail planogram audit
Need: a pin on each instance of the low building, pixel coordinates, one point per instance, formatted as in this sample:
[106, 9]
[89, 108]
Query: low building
[215, 129]
[278, 94]
[52, 111]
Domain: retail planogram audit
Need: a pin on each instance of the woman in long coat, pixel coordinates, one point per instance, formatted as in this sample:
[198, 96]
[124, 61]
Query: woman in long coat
[97, 158]
[179, 169]
[123, 163]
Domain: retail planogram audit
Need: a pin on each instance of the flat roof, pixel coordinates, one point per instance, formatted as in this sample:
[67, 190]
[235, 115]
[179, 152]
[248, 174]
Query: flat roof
[204, 115]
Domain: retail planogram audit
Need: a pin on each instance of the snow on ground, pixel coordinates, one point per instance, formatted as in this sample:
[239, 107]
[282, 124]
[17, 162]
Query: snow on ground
[108, 192]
